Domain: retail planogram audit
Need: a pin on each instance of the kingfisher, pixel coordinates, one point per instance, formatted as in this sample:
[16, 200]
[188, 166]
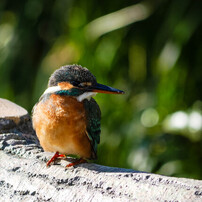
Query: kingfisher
[66, 118]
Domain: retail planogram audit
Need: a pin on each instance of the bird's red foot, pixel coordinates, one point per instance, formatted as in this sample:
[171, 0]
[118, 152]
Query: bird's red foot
[56, 155]
[81, 160]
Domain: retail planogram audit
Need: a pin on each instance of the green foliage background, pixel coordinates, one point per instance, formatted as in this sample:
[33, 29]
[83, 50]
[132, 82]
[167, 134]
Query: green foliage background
[156, 59]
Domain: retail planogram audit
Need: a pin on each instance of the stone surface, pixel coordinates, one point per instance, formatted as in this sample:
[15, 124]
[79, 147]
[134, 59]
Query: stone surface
[13, 117]
[25, 177]
[9, 109]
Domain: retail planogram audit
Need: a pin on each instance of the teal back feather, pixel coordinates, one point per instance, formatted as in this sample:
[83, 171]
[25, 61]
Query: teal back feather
[93, 114]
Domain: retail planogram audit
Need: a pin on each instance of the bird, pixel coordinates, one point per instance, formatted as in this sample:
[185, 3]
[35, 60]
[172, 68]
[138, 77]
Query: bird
[66, 118]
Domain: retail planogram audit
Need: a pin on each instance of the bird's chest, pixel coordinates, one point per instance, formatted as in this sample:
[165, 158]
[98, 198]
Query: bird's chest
[61, 113]
[60, 124]
[63, 108]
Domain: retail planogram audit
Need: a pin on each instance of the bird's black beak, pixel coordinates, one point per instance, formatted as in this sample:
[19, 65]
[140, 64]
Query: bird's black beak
[100, 88]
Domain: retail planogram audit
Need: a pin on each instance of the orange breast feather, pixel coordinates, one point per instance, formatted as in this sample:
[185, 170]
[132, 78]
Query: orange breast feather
[60, 124]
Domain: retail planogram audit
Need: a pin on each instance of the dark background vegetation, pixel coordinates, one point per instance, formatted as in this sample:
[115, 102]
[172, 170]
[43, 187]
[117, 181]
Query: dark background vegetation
[155, 56]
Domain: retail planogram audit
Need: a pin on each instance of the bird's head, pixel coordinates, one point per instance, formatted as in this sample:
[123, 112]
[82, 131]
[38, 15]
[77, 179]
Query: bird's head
[75, 80]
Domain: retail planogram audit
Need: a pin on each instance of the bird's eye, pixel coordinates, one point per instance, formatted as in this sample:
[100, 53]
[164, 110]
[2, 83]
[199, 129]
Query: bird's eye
[75, 83]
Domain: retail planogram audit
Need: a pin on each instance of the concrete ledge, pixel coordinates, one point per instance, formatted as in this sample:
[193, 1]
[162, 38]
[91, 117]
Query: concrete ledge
[25, 177]
[13, 117]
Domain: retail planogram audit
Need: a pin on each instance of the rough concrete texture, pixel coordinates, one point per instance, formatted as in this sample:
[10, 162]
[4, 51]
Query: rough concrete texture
[13, 117]
[10, 109]
[25, 177]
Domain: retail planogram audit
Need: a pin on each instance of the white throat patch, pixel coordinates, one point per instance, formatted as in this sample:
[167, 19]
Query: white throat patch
[86, 95]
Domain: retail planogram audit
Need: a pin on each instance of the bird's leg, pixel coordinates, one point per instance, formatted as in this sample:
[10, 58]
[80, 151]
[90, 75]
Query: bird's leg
[56, 155]
[81, 160]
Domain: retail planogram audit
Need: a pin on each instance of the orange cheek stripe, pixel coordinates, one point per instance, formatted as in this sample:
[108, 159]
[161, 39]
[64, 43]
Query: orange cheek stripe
[65, 85]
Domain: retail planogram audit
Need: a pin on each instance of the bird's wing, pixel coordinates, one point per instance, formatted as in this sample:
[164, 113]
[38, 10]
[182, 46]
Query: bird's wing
[93, 114]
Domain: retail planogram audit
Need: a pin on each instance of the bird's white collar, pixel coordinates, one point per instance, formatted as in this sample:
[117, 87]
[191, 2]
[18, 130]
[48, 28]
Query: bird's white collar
[86, 95]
